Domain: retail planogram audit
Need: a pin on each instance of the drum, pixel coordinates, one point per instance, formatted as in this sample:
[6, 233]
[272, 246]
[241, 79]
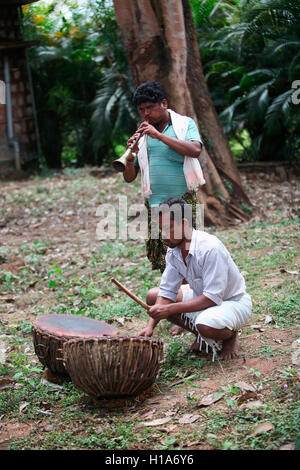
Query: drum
[50, 332]
[113, 367]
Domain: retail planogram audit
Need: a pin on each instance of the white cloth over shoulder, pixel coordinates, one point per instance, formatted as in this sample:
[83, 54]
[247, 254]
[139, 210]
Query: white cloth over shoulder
[191, 166]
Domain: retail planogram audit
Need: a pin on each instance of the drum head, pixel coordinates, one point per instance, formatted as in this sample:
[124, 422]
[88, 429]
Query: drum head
[74, 325]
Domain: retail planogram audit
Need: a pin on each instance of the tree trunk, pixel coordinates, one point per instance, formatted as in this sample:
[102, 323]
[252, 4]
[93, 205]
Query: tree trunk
[161, 45]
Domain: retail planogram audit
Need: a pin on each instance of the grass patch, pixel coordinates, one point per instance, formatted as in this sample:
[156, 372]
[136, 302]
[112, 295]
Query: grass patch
[70, 272]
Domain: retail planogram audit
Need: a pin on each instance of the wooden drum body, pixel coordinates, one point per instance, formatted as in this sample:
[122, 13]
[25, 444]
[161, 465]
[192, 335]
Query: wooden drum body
[112, 367]
[50, 332]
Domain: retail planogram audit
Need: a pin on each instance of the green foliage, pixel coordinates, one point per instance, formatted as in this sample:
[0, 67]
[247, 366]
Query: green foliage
[213, 12]
[82, 82]
[250, 65]
[114, 115]
[63, 417]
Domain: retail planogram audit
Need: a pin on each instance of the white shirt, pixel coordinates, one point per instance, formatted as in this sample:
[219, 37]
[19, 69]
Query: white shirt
[209, 269]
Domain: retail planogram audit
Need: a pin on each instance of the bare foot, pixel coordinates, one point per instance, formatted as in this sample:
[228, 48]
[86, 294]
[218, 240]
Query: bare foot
[175, 330]
[230, 348]
[195, 347]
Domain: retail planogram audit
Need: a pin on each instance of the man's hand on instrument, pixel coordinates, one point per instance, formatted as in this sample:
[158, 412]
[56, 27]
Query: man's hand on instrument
[160, 311]
[147, 129]
[135, 149]
[148, 331]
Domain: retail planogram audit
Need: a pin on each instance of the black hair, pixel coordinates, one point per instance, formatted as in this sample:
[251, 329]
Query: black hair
[149, 91]
[183, 210]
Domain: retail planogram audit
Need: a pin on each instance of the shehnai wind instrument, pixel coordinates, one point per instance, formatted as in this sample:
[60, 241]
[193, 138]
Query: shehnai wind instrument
[120, 163]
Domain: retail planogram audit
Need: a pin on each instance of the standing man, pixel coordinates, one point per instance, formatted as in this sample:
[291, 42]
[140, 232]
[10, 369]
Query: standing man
[167, 156]
[214, 305]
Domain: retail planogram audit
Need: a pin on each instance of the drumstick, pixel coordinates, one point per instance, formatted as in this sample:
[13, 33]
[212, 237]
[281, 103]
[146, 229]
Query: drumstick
[134, 297]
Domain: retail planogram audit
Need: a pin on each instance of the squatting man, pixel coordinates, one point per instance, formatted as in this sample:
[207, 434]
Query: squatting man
[214, 304]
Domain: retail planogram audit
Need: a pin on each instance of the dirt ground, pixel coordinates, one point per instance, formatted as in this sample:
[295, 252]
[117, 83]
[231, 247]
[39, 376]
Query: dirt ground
[72, 228]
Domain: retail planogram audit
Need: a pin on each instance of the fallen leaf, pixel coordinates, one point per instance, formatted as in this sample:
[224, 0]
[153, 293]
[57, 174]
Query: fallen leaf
[35, 225]
[7, 299]
[156, 422]
[46, 405]
[194, 443]
[23, 408]
[173, 384]
[6, 383]
[49, 427]
[170, 428]
[261, 428]
[283, 270]
[289, 446]
[268, 319]
[257, 327]
[254, 404]
[296, 352]
[170, 413]
[148, 414]
[210, 399]
[188, 418]
[245, 387]
[107, 294]
[246, 396]
[50, 384]
[45, 413]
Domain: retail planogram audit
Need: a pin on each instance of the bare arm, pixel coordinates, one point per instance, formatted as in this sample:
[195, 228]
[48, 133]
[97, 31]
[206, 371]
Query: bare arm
[159, 311]
[148, 331]
[184, 147]
[131, 171]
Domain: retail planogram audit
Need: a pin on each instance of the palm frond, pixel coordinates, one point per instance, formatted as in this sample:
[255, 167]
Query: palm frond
[113, 111]
[277, 110]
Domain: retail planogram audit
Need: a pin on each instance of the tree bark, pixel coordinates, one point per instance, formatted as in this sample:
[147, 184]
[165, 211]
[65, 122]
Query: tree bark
[161, 45]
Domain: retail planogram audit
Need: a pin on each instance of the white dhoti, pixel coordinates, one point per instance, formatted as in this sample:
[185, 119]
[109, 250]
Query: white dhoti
[231, 314]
